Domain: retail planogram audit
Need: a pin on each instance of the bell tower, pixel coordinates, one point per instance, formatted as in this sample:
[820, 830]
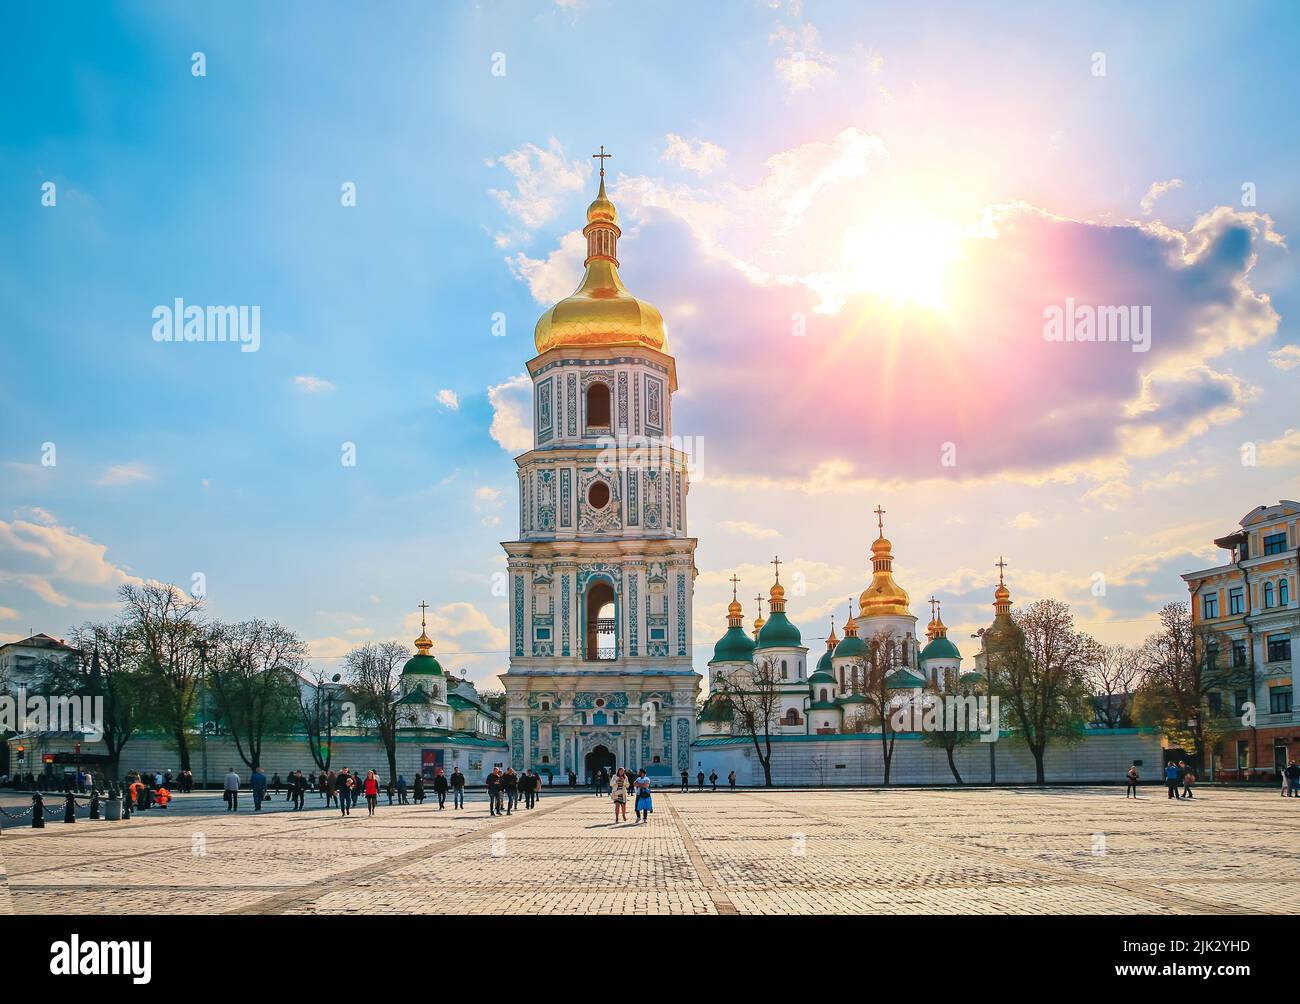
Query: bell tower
[601, 578]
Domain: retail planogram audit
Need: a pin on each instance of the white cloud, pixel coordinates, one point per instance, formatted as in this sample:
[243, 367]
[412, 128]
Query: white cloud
[1157, 189]
[59, 565]
[698, 155]
[554, 277]
[1285, 358]
[312, 384]
[542, 179]
[487, 502]
[748, 529]
[512, 413]
[1023, 521]
[803, 64]
[8, 614]
[448, 399]
[124, 474]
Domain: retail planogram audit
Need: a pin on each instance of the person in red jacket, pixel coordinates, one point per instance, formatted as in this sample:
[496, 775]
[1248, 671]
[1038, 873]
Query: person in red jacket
[372, 792]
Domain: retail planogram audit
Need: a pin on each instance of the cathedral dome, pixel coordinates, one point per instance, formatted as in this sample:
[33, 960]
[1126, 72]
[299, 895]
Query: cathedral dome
[734, 646]
[422, 663]
[883, 597]
[601, 313]
[940, 648]
[779, 632]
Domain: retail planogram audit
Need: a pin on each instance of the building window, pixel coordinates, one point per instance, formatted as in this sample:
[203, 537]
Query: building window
[598, 406]
[1279, 647]
[1216, 703]
[1283, 592]
[1210, 606]
[823, 695]
[1275, 543]
[1243, 754]
[792, 717]
[1279, 701]
[546, 705]
[598, 495]
[543, 634]
[1236, 600]
[1268, 595]
[1238, 654]
[785, 672]
[1212, 655]
[1240, 698]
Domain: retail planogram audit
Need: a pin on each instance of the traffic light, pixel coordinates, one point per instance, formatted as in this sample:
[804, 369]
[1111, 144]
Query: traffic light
[22, 753]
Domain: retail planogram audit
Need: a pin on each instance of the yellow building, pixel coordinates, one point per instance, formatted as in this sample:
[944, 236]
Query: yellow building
[1248, 604]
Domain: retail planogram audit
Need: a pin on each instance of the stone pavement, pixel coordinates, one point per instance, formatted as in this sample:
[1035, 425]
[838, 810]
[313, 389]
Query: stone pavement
[1023, 851]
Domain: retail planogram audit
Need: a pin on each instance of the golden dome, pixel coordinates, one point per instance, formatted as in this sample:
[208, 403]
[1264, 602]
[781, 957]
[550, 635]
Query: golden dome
[601, 312]
[424, 643]
[1002, 593]
[733, 608]
[883, 597]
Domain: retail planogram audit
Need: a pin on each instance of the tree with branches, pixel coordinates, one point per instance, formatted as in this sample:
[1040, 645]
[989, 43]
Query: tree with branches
[1114, 674]
[256, 682]
[754, 696]
[1042, 676]
[374, 673]
[320, 709]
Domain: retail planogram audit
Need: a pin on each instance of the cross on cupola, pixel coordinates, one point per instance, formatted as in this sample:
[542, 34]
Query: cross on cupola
[776, 563]
[602, 157]
[1001, 566]
[880, 518]
[735, 581]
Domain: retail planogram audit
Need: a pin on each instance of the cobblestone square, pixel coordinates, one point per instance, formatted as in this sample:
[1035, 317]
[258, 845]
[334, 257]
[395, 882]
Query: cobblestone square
[1008, 851]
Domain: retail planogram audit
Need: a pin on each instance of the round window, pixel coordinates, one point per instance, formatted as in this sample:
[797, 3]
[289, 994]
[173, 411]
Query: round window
[598, 495]
[600, 702]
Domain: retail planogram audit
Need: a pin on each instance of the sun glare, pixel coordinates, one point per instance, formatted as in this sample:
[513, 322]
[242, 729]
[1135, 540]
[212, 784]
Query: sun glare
[902, 260]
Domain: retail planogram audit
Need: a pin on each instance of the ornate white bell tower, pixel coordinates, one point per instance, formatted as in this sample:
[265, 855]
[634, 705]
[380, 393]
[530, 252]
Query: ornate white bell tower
[601, 578]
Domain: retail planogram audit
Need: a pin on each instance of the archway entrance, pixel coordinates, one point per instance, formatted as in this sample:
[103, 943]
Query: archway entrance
[602, 623]
[600, 756]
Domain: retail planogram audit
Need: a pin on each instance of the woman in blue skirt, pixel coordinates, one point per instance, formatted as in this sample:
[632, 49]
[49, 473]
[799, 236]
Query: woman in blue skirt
[643, 801]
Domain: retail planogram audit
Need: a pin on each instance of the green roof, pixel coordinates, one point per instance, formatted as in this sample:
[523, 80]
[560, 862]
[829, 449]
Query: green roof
[851, 699]
[824, 663]
[422, 665]
[940, 648]
[850, 645]
[734, 646]
[416, 696]
[823, 706]
[779, 632]
[901, 679]
[822, 676]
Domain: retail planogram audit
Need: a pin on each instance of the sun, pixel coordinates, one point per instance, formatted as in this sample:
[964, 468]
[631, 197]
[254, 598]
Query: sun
[904, 260]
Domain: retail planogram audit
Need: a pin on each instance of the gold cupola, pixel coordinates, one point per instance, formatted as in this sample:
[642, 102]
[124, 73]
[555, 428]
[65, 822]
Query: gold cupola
[883, 597]
[758, 621]
[601, 313]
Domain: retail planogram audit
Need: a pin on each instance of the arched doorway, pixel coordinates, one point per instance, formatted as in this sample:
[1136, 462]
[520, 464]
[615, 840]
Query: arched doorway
[602, 636]
[600, 756]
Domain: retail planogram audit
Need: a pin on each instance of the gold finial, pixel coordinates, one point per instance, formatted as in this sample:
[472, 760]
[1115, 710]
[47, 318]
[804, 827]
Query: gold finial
[602, 157]
[933, 602]
[776, 561]
[880, 518]
[734, 616]
[423, 607]
[734, 583]
[1001, 565]
[424, 642]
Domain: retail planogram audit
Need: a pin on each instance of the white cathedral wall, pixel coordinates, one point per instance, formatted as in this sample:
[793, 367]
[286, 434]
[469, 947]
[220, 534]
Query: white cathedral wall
[1099, 758]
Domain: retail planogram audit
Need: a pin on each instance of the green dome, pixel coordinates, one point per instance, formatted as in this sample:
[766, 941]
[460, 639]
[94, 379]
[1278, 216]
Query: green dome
[416, 696]
[422, 665]
[824, 663]
[850, 646]
[823, 706]
[940, 648]
[778, 632]
[716, 709]
[734, 646]
[822, 675]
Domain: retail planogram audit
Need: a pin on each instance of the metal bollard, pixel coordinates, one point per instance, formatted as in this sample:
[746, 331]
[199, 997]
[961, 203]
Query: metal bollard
[94, 803]
[38, 811]
[69, 808]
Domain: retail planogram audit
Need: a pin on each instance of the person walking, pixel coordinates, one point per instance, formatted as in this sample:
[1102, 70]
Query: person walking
[276, 783]
[1189, 779]
[619, 794]
[713, 779]
[699, 780]
[355, 789]
[329, 784]
[1292, 774]
[644, 805]
[731, 780]
[1172, 779]
[1131, 782]
[417, 792]
[686, 781]
[511, 783]
[457, 789]
[257, 781]
[343, 791]
[493, 782]
[390, 789]
[372, 792]
[440, 787]
[573, 778]
[401, 789]
[230, 789]
[299, 790]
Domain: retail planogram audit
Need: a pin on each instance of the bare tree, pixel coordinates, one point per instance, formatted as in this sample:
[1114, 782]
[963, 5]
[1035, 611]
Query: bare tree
[1041, 676]
[107, 666]
[374, 673]
[256, 681]
[754, 696]
[885, 656]
[319, 710]
[1114, 673]
[1185, 675]
[167, 625]
[951, 735]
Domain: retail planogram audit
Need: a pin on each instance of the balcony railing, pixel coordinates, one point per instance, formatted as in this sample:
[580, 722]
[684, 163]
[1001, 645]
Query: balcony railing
[604, 625]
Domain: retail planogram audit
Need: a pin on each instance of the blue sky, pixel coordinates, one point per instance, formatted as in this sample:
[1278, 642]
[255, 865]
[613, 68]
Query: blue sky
[900, 118]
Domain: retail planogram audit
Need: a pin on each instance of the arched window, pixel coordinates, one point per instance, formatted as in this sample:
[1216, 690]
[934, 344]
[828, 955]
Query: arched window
[598, 495]
[598, 406]
[1283, 592]
[1268, 595]
[823, 695]
[785, 672]
[791, 717]
[602, 622]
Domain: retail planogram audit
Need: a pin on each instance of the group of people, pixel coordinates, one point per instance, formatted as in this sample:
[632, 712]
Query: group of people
[624, 784]
[507, 790]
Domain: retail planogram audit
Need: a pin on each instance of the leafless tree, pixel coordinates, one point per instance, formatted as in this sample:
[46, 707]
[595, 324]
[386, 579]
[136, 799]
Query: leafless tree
[374, 674]
[256, 680]
[1114, 673]
[754, 696]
